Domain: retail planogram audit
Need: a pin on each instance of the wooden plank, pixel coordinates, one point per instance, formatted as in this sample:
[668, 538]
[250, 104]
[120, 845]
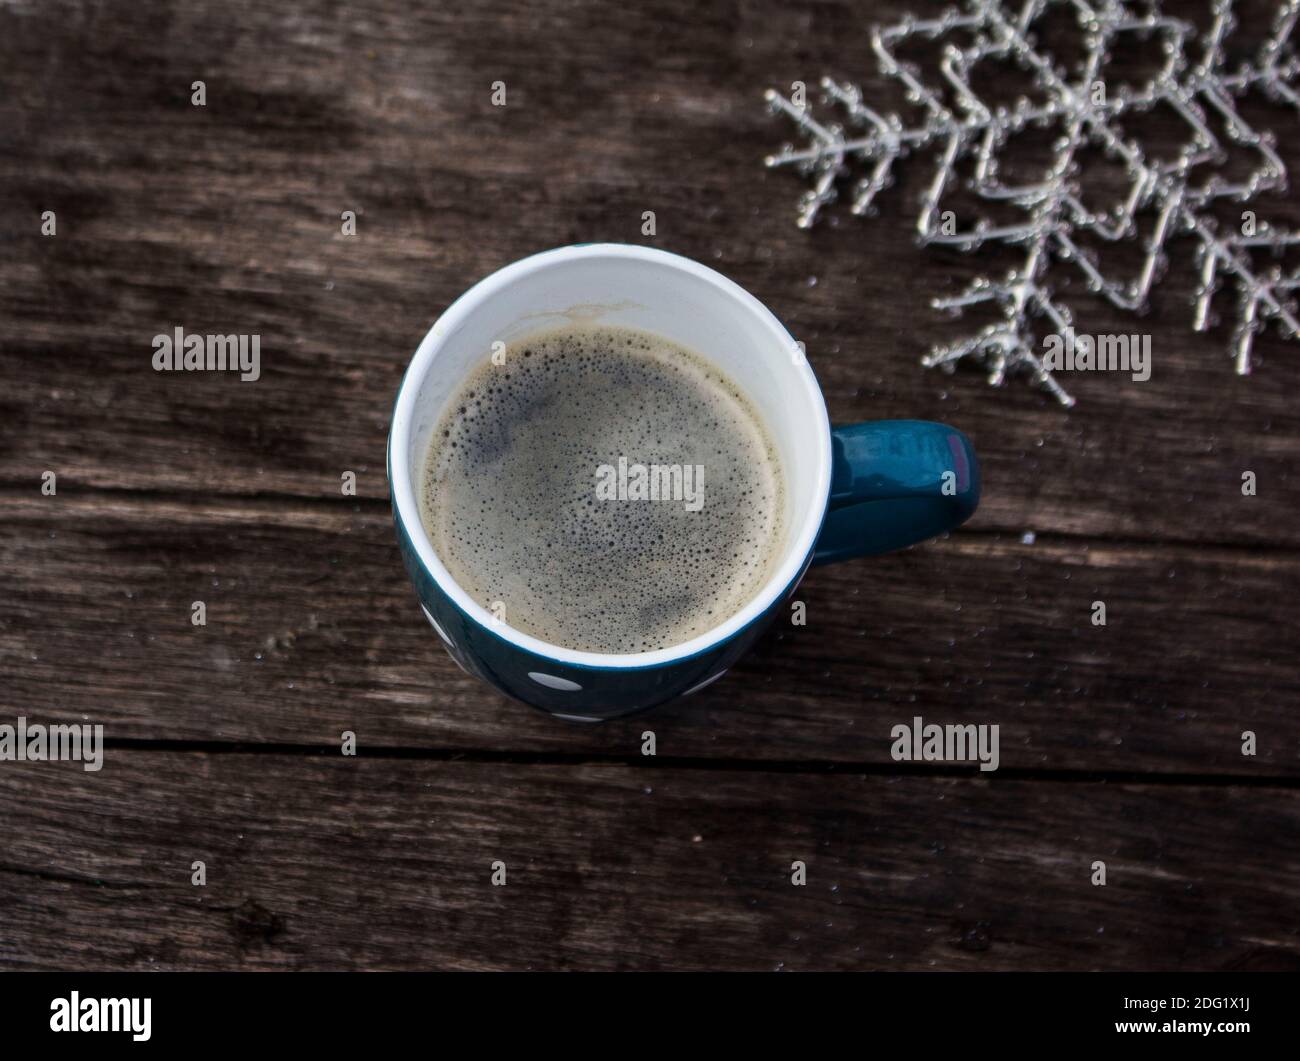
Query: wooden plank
[332, 863]
[229, 222]
[1120, 743]
[312, 629]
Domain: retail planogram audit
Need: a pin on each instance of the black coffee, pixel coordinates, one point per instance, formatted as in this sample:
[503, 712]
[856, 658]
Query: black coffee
[606, 490]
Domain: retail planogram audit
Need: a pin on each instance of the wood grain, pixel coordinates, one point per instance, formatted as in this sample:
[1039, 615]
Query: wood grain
[1120, 743]
[225, 218]
[312, 629]
[353, 863]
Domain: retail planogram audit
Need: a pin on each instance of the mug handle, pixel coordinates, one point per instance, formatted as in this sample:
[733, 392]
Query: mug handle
[895, 483]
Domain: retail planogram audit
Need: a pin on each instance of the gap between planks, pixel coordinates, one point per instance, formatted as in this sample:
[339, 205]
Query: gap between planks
[699, 763]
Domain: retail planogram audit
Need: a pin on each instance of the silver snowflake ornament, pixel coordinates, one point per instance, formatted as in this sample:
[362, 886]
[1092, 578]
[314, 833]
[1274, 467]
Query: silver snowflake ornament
[1082, 112]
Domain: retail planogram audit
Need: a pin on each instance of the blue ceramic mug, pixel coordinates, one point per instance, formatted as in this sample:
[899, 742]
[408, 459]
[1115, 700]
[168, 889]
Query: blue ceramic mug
[850, 491]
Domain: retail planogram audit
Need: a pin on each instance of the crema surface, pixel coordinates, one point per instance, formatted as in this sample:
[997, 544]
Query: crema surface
[605, 490]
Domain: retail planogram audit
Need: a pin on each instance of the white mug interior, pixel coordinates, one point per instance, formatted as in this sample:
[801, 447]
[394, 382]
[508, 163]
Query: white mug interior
[636, 287]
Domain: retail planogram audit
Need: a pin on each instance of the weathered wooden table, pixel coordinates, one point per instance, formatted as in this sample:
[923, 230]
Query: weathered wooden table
[1120, 744]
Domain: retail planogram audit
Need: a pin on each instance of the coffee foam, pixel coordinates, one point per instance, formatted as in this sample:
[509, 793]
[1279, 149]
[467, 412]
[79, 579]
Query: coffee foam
[510, 501]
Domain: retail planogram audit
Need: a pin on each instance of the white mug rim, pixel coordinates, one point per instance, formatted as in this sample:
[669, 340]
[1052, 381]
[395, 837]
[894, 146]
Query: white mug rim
[406, 503]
